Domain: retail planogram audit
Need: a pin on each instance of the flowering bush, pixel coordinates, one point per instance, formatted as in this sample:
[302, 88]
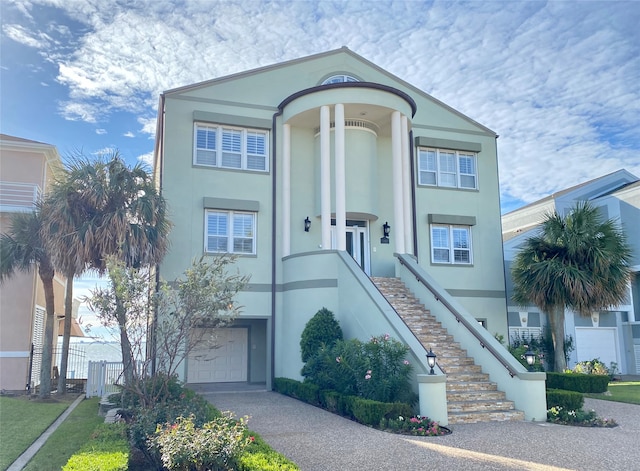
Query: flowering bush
[214, 446]
[417, 425]
[376, 370]
[595, 367]
[559, 415]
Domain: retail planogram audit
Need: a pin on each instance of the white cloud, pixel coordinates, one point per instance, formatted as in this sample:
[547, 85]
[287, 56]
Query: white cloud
[146, 159]
[101, 131]
[129, 134]
[105, 151]
[22, 35]
[559, 81]
[148, 126]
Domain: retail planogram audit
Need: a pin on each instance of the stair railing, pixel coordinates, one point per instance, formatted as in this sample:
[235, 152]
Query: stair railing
[459, 317]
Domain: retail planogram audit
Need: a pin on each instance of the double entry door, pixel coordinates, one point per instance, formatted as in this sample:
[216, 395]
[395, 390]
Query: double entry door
[357, 234]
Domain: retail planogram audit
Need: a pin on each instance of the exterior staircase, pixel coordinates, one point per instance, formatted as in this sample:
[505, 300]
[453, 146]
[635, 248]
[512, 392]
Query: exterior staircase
[471, 397]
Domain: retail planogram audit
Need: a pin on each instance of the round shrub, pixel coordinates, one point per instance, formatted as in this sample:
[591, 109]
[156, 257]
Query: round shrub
[321, 330]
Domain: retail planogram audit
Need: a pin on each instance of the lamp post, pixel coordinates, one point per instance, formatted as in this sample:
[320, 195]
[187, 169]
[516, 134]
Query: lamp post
[431, 360]
[530, 356]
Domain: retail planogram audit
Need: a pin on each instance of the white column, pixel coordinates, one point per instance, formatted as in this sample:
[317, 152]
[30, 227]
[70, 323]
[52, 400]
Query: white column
[325, 176]
[286, 190]
[397, 232]
[406, 187]
[341, 205]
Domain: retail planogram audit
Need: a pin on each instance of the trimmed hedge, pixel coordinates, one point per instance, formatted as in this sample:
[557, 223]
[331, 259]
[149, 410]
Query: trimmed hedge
[306, 392]
[568, 400]
[365, 411]
[579, 382]
[107, 450]
[259, 456]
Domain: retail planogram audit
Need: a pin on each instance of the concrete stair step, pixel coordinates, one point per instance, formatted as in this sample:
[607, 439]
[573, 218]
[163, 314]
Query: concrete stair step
[487, 416]
[479, 405]
[464, 386]
[469, 395]
[462, 369]
[467, 377]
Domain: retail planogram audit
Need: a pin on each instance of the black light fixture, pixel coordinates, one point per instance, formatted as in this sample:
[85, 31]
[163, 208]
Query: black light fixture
[431, 361]
[307, 224]
[386, 230]
[530, 356]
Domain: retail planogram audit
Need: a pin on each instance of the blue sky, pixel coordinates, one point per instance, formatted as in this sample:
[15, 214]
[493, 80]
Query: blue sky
[559, 81]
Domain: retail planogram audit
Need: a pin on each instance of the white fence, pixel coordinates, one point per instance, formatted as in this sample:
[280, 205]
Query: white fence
[104, 377]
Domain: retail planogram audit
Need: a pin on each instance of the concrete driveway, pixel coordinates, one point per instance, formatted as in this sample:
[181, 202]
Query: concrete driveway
[320, 441]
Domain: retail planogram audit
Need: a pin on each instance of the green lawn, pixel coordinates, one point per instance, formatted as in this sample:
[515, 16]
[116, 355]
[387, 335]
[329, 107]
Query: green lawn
[74, 432]
[22, 421]
[628, 392]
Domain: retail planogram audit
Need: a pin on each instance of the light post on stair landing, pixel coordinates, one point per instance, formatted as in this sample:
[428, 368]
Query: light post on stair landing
[530, 356]
[431, 360]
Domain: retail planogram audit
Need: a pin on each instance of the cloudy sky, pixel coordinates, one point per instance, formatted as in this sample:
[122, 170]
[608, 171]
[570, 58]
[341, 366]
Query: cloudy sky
[559, 81]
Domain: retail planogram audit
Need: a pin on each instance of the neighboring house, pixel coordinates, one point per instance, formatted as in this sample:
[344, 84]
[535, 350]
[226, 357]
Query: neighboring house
[26, 169]
[329, 177]
[613, 336]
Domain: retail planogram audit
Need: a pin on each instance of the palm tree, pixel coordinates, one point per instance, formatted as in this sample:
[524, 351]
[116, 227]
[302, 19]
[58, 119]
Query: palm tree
[20, 248]
[104, 208]
[578, 262]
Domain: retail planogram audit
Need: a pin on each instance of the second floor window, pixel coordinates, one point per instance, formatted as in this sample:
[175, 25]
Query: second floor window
[447, 168]
[227, 147]
[230, 232]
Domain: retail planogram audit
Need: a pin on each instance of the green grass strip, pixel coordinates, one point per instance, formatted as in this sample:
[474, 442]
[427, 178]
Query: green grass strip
[22, 421]
[628, 392]
[72, 434]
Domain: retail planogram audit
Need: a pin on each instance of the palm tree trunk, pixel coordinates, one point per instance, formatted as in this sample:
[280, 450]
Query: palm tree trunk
[556, 320]
[47, 348]
[68, 314]
[125, 344]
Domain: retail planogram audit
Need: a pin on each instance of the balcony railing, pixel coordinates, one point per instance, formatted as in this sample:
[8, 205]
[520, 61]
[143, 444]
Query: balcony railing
[18, 197]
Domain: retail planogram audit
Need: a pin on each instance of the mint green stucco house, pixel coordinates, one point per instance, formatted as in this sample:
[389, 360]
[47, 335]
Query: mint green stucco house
[300, 168]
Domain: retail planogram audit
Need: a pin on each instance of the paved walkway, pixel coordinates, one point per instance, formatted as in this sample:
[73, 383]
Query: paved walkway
[320, 441]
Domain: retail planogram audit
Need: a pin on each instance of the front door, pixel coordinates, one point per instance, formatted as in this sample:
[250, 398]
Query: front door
[357, 234]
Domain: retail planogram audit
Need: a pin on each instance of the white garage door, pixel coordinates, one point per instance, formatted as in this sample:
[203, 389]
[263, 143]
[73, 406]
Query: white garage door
[223, 364]
[597, 342]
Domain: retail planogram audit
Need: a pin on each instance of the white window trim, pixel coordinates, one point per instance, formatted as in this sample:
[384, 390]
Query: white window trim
[339, 78]
[219, 128]
[229, 235]
[451, 248]
[438, 171]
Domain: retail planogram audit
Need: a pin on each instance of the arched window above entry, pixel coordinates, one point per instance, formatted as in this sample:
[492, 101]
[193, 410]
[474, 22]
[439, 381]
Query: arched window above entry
[341, 78]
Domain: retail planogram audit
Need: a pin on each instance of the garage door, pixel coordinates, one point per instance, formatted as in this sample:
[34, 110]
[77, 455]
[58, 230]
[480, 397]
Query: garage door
[597, 342]
[224, 364]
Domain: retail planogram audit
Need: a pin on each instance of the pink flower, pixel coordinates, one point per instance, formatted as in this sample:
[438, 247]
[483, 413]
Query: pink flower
[367, 376]
[368, 372]
[406, 362]
[386, 336]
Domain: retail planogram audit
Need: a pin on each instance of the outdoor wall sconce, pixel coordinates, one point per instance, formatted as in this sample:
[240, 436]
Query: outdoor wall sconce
[307, 224]
[431, 361]
[386, 230]
[530, 356]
